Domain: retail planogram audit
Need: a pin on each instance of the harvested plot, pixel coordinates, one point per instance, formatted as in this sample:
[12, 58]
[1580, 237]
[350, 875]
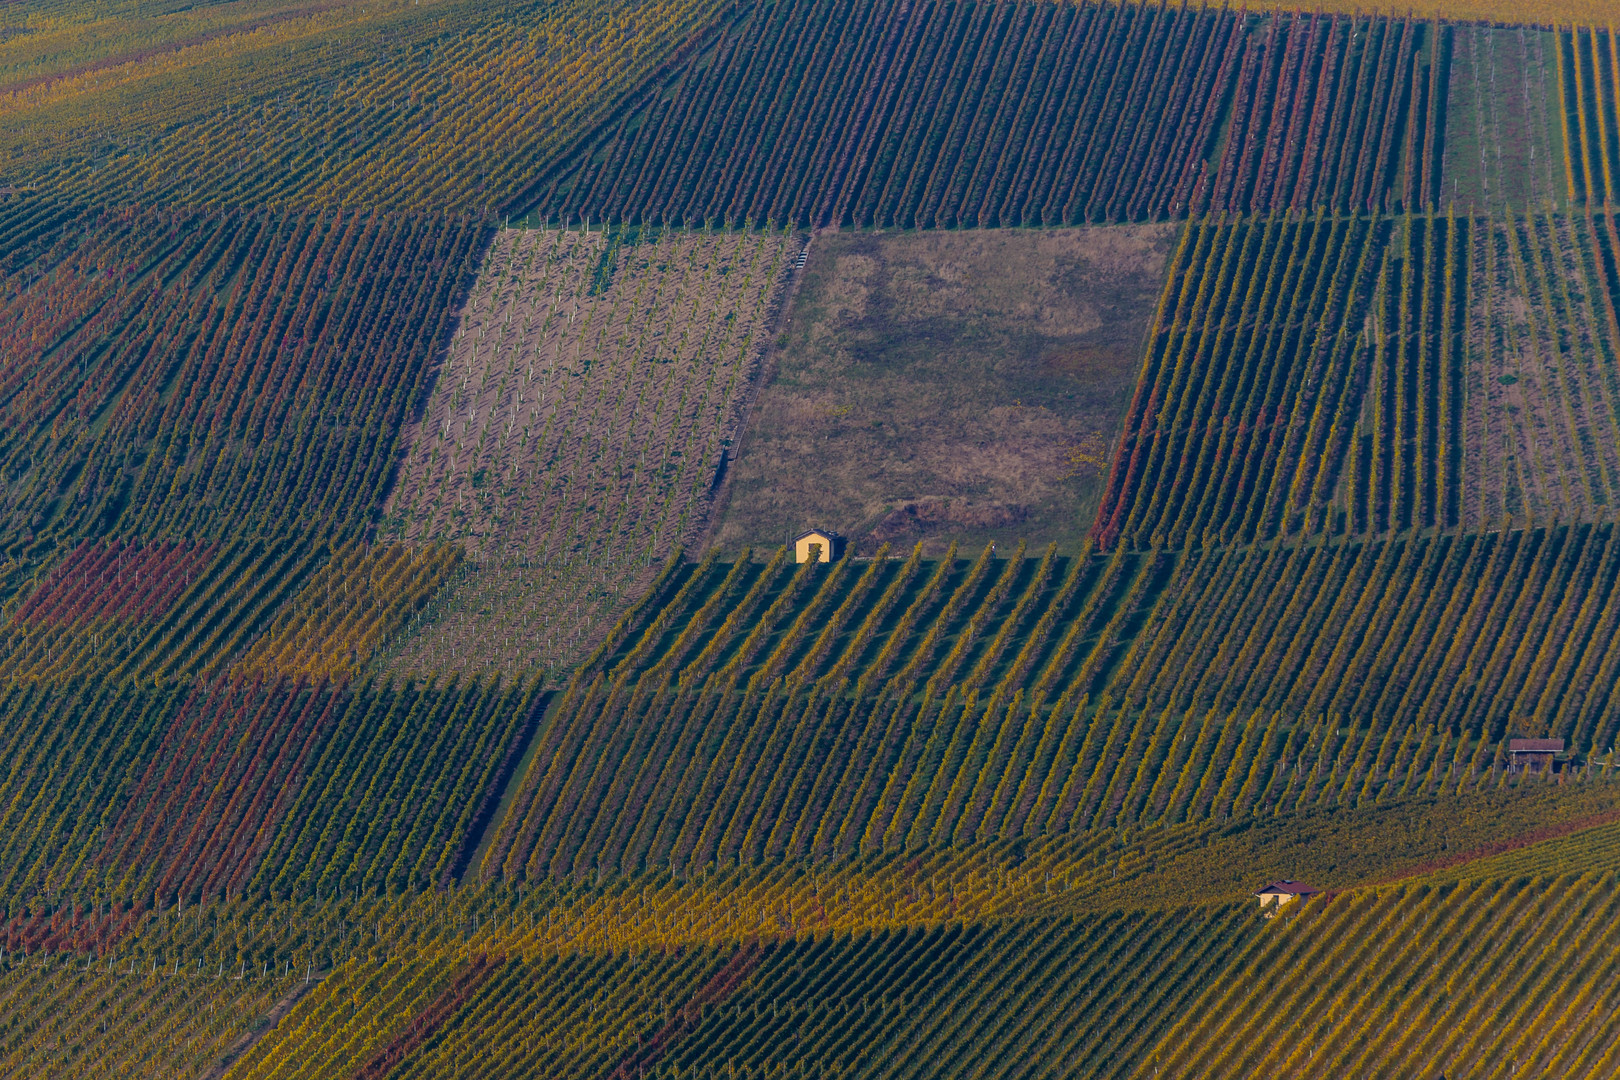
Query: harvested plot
[1505, 144]
[1541, 412]
[947, 384]
[578, 428]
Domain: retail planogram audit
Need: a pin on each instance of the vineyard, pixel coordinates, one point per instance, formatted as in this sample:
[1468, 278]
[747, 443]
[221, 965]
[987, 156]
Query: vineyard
[405, 670]
[274, 788]
[1589, 96]
[1415, 982]
[1499, 634]
[947, 115]
[1381, 374]
[110, 316]
[758, 715]
[455, 107]
[348, 609]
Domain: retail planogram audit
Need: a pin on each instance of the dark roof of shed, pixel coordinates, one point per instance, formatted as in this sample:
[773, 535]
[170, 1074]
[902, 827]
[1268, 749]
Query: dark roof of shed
[1535, 746]
[1287, 888]
[828, 533]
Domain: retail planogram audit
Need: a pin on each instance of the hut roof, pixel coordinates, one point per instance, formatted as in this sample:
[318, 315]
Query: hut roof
[1287, 888]
[1535, 746]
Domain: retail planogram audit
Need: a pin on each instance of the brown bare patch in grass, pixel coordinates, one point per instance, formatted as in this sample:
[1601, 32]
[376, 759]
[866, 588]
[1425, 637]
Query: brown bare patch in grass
[931, 386]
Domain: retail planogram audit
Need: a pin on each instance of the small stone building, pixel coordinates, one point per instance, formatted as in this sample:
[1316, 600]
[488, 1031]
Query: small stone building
[1280, 893]
[1533, 755]
[818, 545]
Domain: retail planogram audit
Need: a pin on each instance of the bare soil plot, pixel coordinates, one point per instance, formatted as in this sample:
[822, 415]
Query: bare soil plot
[1541, 416]
[577, 430]
[1504, 142]
[949, 385]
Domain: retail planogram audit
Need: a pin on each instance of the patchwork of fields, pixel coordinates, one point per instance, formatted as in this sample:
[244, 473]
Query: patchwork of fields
[406, 410]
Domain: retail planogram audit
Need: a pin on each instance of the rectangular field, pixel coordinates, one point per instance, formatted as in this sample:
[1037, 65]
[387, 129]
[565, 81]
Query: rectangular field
[577, 430]
[948, 385]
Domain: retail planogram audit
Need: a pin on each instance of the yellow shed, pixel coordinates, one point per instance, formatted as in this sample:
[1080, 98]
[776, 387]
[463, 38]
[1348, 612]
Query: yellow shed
[1281, 893]
[818, 545]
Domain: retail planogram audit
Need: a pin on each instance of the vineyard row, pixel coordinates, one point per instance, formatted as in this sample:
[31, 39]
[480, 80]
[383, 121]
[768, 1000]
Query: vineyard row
[1307, 375]
[768, 712]
[267, 789]
[974, 115]
[456, 107]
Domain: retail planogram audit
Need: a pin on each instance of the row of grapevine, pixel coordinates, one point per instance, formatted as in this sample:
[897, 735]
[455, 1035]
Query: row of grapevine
[922, 115]
[1495, 635]
[114, 581]
[452, 106]
[1589, 96]
[1343, 113]
[347, 611]
[270, 789]
[178, 397]
[755, 720]
[774, 710]
[1317, 376]
[1494, 978]
[589, 399]
[1255, 365]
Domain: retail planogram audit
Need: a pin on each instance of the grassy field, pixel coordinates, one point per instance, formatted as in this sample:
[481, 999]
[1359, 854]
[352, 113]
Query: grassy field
[937, 386]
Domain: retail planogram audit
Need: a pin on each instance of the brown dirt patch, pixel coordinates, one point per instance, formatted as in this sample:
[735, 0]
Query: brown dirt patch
[948, 385]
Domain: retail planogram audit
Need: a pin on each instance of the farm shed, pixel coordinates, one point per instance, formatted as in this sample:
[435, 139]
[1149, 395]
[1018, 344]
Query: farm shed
[818, 545]
[1280, 893]
[1533, 755]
